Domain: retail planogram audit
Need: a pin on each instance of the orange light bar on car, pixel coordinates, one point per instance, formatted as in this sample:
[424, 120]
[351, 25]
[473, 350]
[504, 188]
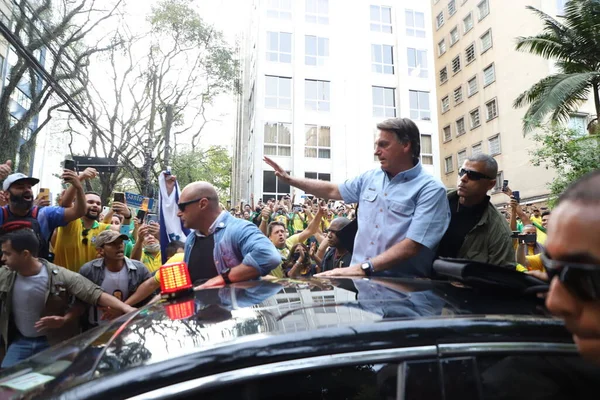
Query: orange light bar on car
[180, 310]
[174, 279]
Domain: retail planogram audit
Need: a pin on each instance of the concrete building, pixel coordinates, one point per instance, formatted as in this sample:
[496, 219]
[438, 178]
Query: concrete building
[317, 76]
[479, 74]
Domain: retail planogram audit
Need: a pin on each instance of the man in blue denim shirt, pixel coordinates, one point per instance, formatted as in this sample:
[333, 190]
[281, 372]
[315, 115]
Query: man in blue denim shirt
[403, 211]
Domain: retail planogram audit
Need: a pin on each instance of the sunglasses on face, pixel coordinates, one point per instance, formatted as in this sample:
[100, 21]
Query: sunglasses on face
[472, 175]
[183, 205]
[582, 280]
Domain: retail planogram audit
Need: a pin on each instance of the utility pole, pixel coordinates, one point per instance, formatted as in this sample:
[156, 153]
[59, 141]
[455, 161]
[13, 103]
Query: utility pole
[149, 145]
[167, 134]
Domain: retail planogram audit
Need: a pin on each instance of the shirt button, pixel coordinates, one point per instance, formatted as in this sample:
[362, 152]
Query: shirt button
[372, 243]
[377, 226]
[385, 194]
[381, 210]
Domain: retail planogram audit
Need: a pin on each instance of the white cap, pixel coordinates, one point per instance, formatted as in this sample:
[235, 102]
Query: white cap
[13, 178]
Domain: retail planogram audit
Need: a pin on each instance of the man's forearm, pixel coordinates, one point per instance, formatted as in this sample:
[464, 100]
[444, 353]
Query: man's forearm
[318, 188]
[106, 300]
[143, 291]
[136, 253]
[243, 273]
[404, 250]
[521, 254]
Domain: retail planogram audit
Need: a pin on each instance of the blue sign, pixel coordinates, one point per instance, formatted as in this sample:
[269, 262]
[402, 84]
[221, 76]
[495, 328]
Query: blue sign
[135, 200]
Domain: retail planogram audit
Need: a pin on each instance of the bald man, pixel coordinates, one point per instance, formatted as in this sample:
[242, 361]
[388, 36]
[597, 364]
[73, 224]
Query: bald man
[222, 250]
[338, 255]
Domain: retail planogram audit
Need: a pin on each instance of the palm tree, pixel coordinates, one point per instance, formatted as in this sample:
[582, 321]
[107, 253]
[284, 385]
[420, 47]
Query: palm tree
[574, 44]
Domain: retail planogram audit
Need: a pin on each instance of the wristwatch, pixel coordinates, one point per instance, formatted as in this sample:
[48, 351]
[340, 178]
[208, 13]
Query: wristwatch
[225, 275]
[367, 268]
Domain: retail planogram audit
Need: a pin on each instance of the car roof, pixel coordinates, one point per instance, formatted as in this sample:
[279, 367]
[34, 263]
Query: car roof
[285, 312]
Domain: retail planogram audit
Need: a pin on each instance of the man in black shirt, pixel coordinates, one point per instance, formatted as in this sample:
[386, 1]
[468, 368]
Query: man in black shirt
[338, 255]
[477, 230]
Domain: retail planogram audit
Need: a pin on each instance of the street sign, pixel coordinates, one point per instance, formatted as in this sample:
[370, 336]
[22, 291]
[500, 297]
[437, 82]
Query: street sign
[136, 200]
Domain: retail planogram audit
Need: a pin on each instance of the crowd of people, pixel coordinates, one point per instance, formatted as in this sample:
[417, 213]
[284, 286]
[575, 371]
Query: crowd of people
[68, 267]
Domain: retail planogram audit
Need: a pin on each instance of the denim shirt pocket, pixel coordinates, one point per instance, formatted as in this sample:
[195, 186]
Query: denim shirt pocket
[404, 209]
[369, 195]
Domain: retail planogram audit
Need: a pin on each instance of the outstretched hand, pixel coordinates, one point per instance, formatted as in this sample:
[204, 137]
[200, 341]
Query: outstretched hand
[279, 172]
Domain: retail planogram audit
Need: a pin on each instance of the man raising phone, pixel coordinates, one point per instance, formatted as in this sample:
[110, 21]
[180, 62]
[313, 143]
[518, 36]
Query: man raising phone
[403, 211]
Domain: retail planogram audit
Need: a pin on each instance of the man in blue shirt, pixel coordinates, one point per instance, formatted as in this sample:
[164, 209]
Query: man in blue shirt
[403, 211]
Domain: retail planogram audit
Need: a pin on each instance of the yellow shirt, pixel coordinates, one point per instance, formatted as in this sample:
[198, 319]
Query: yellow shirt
[535, 263]
[70, 250]
[177, 258]
[153, 263]
[298, 222]
[285, 252]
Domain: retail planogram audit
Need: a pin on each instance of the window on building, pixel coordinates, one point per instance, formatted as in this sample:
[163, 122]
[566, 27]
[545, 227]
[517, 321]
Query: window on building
[441, 47]
[317, 95]
[426, 150]
[444, 75]
[318, 175]
[381, 19]
[281, 9]
[491, 109]
[382, 58]
[489, 75]
[454, 36]
[417, 63]
[461, 156]
[445, 104]
[578, 123]
[439, 20]
[472, 86]
[448, 164]
[447, 133]
[21, 98]
[317, 11]
[279, 47]
[273, 187]
[475, 118]
[468, 23]
[278, 92]
[316, 50]
[415, 23]
[499, 181]
[486, 41]
[384, 102]
[476, 149]
[419, 105]
[470, 53]
[458, 95]
[451, 7]
[460, 126]
[318, 141]
[456, 64]
[494, 145]
[278, 139]
[484, 9]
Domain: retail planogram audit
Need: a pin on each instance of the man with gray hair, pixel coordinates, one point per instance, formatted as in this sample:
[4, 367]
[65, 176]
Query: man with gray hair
[477, 230]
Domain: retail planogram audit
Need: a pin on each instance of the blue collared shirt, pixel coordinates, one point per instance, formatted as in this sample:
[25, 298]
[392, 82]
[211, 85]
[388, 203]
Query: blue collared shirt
[411, 205]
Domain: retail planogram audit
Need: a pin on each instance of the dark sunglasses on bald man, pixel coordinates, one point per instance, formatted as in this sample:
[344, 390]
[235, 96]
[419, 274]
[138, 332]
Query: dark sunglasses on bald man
[582, 280]
[472, 175]
[183, 205]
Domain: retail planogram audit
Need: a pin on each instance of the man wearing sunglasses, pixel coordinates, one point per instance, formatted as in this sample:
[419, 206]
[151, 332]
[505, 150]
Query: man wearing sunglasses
[572, 261]
[477, 230]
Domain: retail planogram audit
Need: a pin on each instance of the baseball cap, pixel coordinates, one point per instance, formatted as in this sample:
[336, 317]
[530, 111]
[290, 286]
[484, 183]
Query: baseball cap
[13, 178]
[108, 237]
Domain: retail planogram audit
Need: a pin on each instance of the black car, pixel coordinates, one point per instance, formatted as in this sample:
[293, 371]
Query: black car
[319, 338]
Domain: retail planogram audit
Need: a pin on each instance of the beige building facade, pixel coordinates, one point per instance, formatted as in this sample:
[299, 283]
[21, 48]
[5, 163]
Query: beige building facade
[479, 75]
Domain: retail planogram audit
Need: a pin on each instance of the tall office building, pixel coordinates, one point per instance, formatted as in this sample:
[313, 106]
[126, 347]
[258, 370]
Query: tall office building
[479, 74]
[317, 76]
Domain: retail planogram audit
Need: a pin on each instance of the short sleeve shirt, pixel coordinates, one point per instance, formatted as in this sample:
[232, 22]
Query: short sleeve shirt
[73, 248]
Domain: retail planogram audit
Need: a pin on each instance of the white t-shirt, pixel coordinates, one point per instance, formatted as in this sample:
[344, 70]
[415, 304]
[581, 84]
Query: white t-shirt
[29, 301]
[115, 284]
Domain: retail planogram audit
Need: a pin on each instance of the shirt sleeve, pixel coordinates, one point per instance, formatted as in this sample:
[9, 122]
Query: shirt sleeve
[352, 188]
[80, 287]
[55, 217]
[257, 250]
[431, 216]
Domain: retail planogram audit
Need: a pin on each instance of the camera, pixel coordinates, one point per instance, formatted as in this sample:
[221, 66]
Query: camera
[296, 256]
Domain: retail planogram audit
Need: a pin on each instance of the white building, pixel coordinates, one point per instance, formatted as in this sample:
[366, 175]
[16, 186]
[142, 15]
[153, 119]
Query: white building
[317, 77]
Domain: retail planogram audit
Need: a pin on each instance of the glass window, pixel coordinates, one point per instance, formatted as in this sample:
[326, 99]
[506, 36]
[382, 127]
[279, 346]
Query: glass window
[439, 20]
[316, 50]
[460, 126]
[273, 187]
[454, 36]
[486, 41]
[472, 86]
[451, 7]
[458, 95]
[317, 95]
[281, 9]
[475, 119]
[384, 102]
[417, 63]
[317, 11]
[468, 23]
[382, 59]
[470, 53]
[484, 9]
[279, 47]
[447, 133]
[489, 75]
[318, 175]
[448, 164]
[461, 156]
[278, 92]
[442, 47]
[381, 19]
[456, 64]
[426, 150]
[415, 23]
[318, 141]
[278, 139]
[419, 105]
[476, 149]
[494, 145]
[444, 75]
[492, 109]
[578, 123]
[445, 104]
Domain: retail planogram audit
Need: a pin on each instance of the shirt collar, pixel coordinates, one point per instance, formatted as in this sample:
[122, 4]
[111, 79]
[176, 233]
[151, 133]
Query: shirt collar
[218, 223]
[99, 263]
[407, 175]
